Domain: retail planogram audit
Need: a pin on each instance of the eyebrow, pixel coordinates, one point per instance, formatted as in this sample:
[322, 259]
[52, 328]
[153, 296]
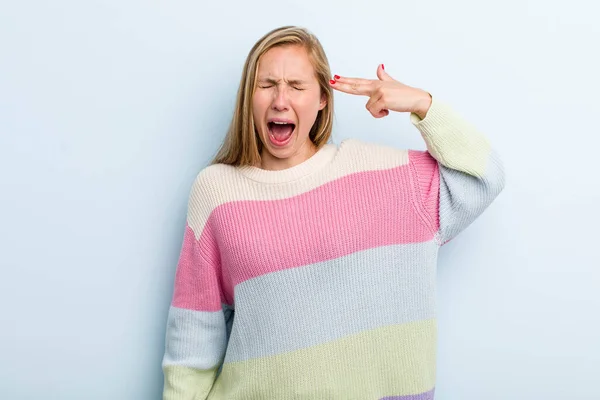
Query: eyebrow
[276, 81]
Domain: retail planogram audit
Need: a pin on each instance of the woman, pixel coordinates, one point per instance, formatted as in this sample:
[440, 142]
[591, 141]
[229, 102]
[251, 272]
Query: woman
[325, 255]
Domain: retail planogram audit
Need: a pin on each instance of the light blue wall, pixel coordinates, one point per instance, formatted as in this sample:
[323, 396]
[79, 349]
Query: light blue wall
[108, 109]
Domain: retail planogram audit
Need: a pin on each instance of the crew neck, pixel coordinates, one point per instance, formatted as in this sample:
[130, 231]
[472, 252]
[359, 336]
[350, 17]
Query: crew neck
[320, 159]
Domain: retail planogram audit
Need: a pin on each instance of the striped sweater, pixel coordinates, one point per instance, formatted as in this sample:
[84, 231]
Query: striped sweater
[318, 281]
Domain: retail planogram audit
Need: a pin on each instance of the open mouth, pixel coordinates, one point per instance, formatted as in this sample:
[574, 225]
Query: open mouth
[280, 133]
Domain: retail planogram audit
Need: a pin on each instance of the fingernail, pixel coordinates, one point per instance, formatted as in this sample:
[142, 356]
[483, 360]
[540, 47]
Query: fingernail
[382, 66]
[336, 77]
[331, 81]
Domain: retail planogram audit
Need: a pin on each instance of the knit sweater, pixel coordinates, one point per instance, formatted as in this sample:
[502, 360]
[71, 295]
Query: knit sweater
[318, 281]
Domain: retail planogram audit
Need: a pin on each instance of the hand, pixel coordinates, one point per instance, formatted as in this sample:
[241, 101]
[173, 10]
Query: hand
[385, 94]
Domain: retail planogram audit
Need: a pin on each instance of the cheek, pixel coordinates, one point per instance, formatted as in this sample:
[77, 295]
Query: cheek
[262, 99]
[307, 106]
[259, 106]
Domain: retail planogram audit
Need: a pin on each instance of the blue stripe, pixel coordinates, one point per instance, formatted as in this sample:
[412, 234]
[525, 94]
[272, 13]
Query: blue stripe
[300, 307]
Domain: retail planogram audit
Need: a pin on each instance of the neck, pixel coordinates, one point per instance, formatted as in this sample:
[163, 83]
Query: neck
[271, 163]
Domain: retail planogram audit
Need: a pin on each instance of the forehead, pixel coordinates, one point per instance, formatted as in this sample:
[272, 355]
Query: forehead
[285, 61]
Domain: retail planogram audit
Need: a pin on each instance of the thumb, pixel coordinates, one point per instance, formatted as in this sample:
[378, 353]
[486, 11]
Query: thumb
[382, 75]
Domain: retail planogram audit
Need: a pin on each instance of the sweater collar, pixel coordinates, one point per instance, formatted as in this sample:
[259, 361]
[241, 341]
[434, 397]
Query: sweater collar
[316, 162]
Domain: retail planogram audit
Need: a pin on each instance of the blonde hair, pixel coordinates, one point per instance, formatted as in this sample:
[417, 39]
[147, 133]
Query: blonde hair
[241, 145]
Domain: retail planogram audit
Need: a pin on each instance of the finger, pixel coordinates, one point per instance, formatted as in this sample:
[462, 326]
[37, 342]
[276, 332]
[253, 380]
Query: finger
[357, 86]
[377, 107]
[347, 79]
[372, 101]
[353, 88]
[383, 113]
[382, 75]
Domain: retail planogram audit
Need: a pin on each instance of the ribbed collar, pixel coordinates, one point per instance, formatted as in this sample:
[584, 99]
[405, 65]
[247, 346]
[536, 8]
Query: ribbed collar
[313, 164]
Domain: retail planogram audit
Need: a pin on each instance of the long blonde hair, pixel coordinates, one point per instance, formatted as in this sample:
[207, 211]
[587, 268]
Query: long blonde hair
[241, 145]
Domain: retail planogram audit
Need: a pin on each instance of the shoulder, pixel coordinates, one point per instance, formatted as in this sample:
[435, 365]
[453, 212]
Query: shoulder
[215, 182]
[210, 188]
[214, 175]
[369, 155]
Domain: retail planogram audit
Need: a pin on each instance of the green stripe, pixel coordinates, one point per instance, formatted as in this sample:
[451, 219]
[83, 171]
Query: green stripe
[187, 383]
[392, 360]
[452, 140]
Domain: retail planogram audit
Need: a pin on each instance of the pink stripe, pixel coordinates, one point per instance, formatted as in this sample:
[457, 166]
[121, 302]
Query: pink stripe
[197, 276]
[356, 212]
[353, 213]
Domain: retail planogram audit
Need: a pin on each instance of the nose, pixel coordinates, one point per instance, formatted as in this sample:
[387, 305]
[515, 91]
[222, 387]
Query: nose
[281, 99]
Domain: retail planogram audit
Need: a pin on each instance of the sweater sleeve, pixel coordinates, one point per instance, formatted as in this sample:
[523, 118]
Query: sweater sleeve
[198, 318]
[458, 176]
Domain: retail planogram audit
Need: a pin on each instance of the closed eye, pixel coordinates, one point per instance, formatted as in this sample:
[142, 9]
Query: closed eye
[270, 86]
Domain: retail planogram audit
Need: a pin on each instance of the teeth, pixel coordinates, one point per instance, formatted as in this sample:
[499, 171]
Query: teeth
[280, 123]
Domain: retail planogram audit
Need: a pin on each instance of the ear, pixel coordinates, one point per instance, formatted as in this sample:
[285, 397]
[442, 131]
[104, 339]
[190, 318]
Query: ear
[323, 101]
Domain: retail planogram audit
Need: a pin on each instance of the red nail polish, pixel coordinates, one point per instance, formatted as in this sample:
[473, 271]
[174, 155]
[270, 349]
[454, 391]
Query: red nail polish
[382, 66]
[331, 81]
[336, 77]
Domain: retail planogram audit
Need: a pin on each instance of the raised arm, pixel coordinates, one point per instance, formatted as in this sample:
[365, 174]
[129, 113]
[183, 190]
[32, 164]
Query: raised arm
[459, 175]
